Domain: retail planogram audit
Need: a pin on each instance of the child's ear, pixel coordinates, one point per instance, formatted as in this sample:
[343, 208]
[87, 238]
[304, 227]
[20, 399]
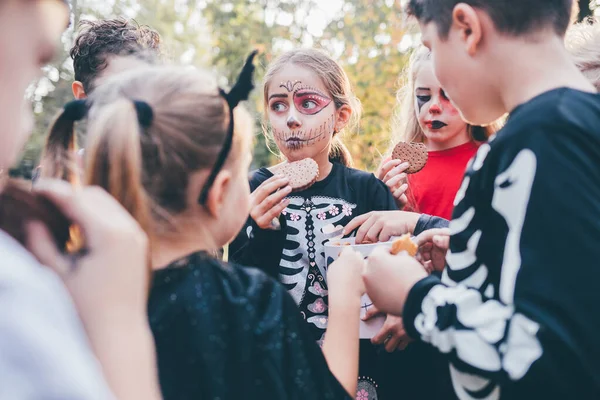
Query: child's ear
[217, 193]
[468, 23]
[343, 117]
[78, 91]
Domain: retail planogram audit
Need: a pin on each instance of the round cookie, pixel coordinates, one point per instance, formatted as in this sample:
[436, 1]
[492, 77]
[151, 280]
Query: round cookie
[413, 153]
[302, 174]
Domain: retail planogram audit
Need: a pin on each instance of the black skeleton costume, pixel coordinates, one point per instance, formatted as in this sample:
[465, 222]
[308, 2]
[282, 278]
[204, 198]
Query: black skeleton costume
[516, 308]
[295, 255]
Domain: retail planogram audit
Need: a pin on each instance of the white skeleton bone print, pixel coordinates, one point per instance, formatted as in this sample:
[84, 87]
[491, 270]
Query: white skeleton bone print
[485, 343]
[309, 222]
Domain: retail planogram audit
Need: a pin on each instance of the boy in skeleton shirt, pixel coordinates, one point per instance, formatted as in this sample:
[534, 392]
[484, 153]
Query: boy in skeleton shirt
[515, 309]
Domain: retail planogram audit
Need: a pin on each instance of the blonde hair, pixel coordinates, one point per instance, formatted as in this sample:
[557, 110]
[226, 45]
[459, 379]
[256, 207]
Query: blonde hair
[405, 124]
[336, 82]
[148, 169]
[583, 43]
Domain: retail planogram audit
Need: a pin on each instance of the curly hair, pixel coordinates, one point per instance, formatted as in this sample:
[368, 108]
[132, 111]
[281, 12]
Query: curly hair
[583, 43]
[97, 40]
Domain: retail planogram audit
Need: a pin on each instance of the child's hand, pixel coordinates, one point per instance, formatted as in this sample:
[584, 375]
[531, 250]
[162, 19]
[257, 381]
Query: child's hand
[344, 276]
[380, 226]
[433, 246]
[393, 175]
[389, 278]
[268, 201]
[109, 281]
[392, 334]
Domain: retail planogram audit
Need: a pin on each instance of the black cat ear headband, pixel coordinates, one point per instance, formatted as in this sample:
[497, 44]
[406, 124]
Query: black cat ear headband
[240, 91]
[77, 110]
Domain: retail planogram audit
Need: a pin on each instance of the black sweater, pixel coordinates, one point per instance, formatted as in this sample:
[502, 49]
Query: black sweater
[515, 312]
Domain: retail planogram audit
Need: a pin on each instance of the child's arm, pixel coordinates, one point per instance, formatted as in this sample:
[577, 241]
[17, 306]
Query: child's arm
[538, 320]
[341, 344]
[392, 173]
[259, 248]
[260, 243]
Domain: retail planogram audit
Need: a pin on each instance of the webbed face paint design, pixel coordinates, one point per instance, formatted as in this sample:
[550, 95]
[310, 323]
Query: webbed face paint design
[310, 101]
[297, 139]
[301, 116]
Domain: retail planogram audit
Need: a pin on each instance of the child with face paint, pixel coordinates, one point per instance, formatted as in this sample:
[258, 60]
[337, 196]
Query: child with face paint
[308, 103]
[427, 116]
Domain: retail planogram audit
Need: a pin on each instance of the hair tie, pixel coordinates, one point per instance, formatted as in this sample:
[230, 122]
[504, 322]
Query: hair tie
[75, 110]
[144, 113]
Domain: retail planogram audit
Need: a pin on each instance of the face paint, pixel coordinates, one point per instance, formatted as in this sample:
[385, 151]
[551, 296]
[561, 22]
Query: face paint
[422, 100]
[289, 85]
[310, 101]
[447, 103]
[297, 139]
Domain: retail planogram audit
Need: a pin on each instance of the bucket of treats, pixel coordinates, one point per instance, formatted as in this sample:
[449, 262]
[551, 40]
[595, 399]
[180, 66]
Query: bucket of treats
[334, 248]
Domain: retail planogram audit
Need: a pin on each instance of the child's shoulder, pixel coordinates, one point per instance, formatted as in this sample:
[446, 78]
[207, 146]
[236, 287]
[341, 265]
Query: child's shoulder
[357, 175]
[258, 176]
[562, 110]
[231, 284]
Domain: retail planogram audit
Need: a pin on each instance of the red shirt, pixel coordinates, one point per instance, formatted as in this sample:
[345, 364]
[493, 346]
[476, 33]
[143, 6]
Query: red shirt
[433, 189]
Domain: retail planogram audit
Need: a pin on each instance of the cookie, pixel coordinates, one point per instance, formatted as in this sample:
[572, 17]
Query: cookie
[302, 174]
[404, 243]
[413, 153]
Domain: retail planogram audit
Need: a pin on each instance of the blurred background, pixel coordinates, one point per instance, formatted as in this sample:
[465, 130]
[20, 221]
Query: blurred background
[370, 38]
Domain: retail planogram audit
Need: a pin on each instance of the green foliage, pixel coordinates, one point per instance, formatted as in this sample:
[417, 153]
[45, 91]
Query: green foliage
[365, 36]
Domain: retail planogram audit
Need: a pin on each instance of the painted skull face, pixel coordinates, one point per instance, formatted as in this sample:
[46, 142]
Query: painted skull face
[301, 113]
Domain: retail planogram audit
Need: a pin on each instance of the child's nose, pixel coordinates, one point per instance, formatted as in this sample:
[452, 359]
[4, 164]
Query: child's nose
[435, 108]
[292, 122]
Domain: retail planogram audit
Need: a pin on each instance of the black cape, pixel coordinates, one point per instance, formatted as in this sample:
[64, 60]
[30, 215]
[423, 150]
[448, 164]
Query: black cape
[228, 332]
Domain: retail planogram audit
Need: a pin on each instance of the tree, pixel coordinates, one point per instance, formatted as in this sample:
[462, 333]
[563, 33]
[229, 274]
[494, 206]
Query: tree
[367, 37]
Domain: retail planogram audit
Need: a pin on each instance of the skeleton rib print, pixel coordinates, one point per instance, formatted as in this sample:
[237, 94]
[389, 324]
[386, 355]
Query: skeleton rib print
[303, 267]
[487, 334]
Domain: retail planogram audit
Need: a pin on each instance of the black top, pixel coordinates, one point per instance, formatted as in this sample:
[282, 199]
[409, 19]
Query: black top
[523, 323]
[295, 255]
[228, 332]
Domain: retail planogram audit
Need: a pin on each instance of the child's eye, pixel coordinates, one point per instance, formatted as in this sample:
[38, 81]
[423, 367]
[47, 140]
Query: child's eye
[424, 99]
[309, 104]
[278, 107]
[444, 95]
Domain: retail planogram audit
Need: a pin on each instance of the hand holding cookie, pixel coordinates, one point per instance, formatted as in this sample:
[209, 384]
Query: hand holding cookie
[268, 200]
[415, 154]
[393, 174]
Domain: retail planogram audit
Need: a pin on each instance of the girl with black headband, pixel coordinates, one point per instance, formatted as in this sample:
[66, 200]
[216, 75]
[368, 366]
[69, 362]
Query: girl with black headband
[174, 149]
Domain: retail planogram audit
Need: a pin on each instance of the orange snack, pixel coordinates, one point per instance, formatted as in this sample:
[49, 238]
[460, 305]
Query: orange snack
[404, 243]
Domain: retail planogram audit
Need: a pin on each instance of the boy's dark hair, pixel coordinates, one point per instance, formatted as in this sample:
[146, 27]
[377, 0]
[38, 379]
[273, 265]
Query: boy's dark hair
[515, 17]
[97, 40]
